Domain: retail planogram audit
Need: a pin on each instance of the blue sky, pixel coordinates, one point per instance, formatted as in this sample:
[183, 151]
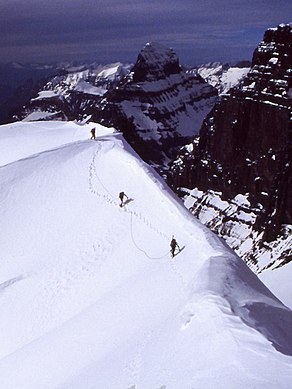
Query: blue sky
[115, 30]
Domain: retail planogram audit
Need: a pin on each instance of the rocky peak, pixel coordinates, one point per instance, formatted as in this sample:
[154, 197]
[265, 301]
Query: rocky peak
[155, 62]
[276, 44]
[245, 147]
[270, 74]
[159, 107]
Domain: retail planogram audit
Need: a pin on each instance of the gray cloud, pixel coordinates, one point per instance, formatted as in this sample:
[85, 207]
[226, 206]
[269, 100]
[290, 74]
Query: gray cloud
[106, 31]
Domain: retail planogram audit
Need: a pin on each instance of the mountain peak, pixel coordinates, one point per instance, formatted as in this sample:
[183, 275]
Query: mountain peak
[275, 48]
[155, 61]
[252, 125]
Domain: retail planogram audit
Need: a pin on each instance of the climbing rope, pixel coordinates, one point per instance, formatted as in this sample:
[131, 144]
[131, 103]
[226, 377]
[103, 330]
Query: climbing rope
[139, 248]
[112, 200]
[101, 183]
[92, 168]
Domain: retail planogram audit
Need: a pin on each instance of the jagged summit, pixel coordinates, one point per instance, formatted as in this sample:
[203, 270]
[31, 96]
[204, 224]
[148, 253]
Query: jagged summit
[154, 62]
[278, 35]
[271, 65]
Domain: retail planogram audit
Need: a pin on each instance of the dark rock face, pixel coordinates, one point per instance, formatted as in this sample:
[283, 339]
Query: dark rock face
[159, 107]
[245, 143]
[155, 62]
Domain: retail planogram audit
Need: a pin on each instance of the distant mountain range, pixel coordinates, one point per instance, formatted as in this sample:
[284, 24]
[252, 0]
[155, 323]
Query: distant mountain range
[20, 83]
[157, 104]
[73, 95]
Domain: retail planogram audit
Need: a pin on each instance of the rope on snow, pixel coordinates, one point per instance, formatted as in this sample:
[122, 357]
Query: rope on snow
[92, 169]
[139, 248]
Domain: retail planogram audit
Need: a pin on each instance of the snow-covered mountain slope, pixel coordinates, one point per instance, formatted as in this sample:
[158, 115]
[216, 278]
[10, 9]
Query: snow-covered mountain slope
[89, 295]
[223, 76]
[279, 281]
[235, 221]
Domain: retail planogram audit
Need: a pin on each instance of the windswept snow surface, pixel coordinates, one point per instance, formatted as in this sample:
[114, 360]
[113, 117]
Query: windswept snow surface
[89, 296]
[279, 281]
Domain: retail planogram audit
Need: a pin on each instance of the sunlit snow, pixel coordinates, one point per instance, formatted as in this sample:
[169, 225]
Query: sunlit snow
[90, 297]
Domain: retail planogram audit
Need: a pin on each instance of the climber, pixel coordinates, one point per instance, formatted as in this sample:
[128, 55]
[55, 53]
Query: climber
[173, 246]
[92, 133]
[122, 195]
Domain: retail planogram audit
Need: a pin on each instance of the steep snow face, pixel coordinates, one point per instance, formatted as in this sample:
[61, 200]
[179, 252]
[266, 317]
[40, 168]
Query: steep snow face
[279, 281]
[90, 296]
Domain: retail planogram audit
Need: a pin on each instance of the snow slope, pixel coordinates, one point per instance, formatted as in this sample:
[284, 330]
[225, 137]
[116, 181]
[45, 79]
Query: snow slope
[89, 295]
[279, 281]
[223, 77]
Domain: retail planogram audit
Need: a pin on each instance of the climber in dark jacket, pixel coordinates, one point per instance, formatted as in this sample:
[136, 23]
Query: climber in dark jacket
[92, 133]
[173, 246]
[122, 195]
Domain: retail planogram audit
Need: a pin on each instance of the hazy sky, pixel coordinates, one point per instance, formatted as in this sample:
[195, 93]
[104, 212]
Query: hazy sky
[115, 30]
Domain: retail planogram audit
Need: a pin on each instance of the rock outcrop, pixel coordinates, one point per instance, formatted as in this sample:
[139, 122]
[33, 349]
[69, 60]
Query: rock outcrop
[155, 62]
[245, 148]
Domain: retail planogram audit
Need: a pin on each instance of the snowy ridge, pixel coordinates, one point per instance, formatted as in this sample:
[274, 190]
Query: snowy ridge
[89, 293]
